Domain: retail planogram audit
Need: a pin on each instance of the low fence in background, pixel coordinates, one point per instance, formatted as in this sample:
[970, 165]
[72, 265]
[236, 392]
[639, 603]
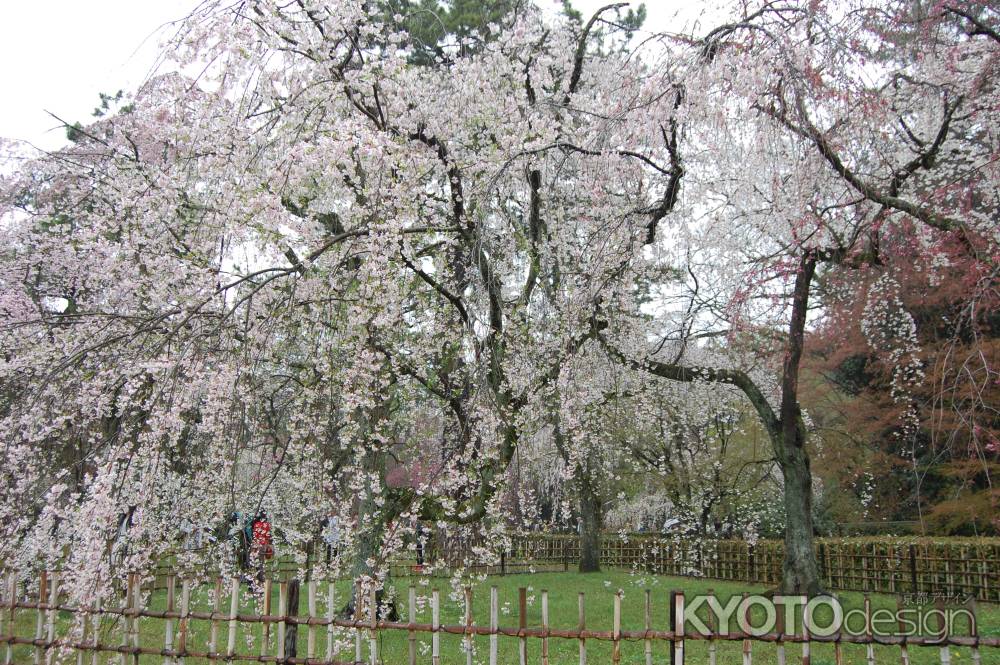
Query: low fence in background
[357, 640]
[951, 567]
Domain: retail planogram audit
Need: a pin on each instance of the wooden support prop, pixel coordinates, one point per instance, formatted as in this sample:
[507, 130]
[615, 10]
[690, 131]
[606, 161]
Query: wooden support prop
[265, 626]
[50, 618]
[435, 626]
[357, 621]
[168, 624]
[411, 635]
[942, 627]
[714, 628]
[213, 644]
[616, 630]
[330, 613]
[283, 613]
[648, 624]
[522, 623]
[182, 633]
[468, 625]
[744, 621]
[545, 627]
[11, 606]
[805, 638]
[373, 625]
[581, 626]
[234, 608]
[494, 624]
[869, 648]
[904, 652]
[43, 591]
[311, 629]
[974, 629]
[677, 611]
[137, 609]
[780, 643]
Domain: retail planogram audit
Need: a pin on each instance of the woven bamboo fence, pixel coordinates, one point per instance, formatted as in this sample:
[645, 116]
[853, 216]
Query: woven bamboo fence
[52, 641]
[952, 567]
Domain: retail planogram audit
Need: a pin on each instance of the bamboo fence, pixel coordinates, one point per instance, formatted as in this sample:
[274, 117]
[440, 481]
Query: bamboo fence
[952, 568]
[52, 642]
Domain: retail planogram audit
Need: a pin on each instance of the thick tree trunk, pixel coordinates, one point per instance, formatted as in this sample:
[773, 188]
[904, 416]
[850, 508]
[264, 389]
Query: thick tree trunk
[800, 574]
[591, 521]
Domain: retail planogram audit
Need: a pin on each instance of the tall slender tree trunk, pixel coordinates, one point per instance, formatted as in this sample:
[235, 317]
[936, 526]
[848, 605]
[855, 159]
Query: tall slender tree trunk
[591, 521]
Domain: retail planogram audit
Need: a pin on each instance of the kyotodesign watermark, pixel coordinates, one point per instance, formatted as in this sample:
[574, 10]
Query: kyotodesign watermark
[821, 616]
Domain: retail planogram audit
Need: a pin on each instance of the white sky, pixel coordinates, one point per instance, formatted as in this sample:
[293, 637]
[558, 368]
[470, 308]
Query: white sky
[58, 55]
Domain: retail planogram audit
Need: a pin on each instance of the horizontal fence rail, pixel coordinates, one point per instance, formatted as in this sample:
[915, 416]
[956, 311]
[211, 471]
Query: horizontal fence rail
[59, 630]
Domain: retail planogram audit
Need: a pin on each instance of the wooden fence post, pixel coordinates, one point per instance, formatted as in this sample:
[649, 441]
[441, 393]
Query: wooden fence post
[677, 615]
[310, 628]
[435, 625]
[12, 606]
[213, 645]
[494, 624]
[183, 622]
[904, 654]
[522, 623]
[713, 630]
[468, 625]
[43, 592]
[648, 624]
[234, 606]
[581, 626]
[168, 625]
[373, 624]
[411, 635]
[50, 618]
[265, 626]
[282, 614]
[330, 614]
[616, 630]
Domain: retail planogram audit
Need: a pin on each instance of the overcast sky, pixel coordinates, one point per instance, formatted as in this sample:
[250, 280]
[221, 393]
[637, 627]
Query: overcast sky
[58, 55]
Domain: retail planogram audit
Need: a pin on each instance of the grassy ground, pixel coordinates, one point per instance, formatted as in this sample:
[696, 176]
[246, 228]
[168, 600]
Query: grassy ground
[562, 588]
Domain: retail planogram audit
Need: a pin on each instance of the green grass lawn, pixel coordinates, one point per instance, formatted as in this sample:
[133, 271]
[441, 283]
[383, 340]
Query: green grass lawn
[562, 589]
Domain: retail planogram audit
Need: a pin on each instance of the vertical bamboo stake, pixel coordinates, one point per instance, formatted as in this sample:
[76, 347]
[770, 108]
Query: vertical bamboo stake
[357, 621]
[805, 640]
[714, 629]
[545, 627]
[435, 624]
[136, 608]
[12, 603]
[311, 629]
[678, 612]
[330, 612]
[234, 607]
[168, 625]
[945, 650]
[43, 590]
[904, 654]
[974, 631]
[522, 623]
[213, 645]
[494, 624]
[745, 629]
[468, 625]
[50, 618]
[870, 648]
[581, 626]
[183, 622]
[780, 643]
[411, 635]
[373, 616]
[265, 626]
[648, 622]
[282, 614]
[96, 628]
[616, 630]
